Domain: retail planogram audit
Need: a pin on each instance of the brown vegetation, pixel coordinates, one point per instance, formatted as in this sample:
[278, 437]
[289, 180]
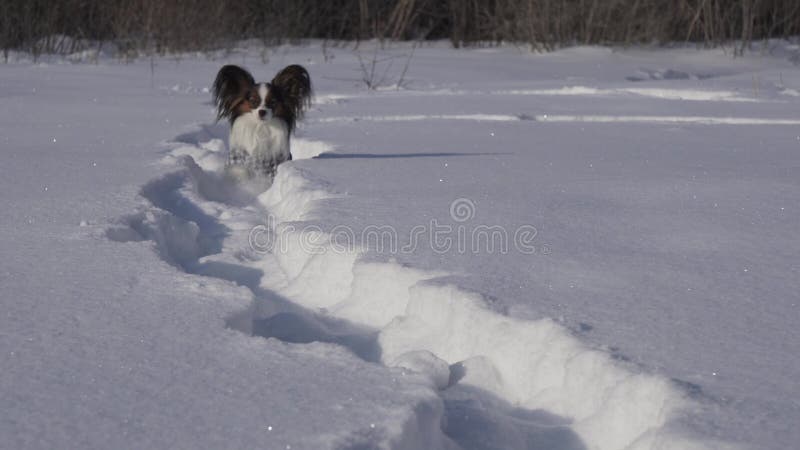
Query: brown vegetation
[136, 26]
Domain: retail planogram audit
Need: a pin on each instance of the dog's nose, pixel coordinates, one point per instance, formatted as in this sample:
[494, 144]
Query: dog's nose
[262, 112]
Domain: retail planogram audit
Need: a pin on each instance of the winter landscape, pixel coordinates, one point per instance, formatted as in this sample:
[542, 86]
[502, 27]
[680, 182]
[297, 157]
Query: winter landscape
[594, 248]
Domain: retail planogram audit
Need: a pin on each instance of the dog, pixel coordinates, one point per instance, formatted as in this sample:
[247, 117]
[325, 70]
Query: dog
[262, 117]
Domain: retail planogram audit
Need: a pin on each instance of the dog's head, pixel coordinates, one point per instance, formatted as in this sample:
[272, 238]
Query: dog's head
[286, 96]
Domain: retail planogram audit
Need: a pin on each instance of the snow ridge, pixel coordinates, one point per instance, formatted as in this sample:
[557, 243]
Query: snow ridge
[425, 325]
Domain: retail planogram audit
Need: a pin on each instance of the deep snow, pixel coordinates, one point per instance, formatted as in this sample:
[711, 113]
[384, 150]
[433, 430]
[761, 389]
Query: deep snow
[646, 295]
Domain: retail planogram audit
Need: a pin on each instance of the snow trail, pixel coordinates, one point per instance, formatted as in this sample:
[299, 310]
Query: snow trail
[556, 118]
[200, 222]
[398, 316]
[661, 93]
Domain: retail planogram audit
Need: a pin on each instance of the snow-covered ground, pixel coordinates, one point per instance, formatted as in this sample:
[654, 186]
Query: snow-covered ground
[588, 249]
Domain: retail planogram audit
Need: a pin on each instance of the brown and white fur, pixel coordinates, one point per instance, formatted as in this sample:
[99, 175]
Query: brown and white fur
[262, 117]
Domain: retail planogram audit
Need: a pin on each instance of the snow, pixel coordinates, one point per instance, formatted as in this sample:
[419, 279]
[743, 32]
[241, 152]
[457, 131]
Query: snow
[587, 249]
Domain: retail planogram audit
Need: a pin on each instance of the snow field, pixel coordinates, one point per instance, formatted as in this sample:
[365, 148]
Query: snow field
[664, 181]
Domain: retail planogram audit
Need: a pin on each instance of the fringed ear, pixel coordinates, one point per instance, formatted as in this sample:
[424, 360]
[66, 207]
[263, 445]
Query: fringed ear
[292, 87]
[230, 88]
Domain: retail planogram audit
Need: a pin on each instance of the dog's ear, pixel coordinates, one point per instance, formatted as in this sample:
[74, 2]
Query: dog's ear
[293, 88]
[230, 88]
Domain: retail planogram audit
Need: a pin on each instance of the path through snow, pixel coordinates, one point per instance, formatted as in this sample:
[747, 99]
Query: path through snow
[504, 382]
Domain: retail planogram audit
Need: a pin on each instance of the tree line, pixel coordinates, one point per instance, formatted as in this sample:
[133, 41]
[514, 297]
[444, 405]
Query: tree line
[161, 26]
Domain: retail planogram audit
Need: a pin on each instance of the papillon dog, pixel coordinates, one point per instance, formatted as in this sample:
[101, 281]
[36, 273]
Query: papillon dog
[262, 117]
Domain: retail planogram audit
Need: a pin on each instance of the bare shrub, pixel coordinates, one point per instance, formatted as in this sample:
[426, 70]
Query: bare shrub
[376, 70]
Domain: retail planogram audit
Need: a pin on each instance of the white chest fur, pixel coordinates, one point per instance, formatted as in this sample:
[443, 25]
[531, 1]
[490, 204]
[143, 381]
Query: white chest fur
[258, 144]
